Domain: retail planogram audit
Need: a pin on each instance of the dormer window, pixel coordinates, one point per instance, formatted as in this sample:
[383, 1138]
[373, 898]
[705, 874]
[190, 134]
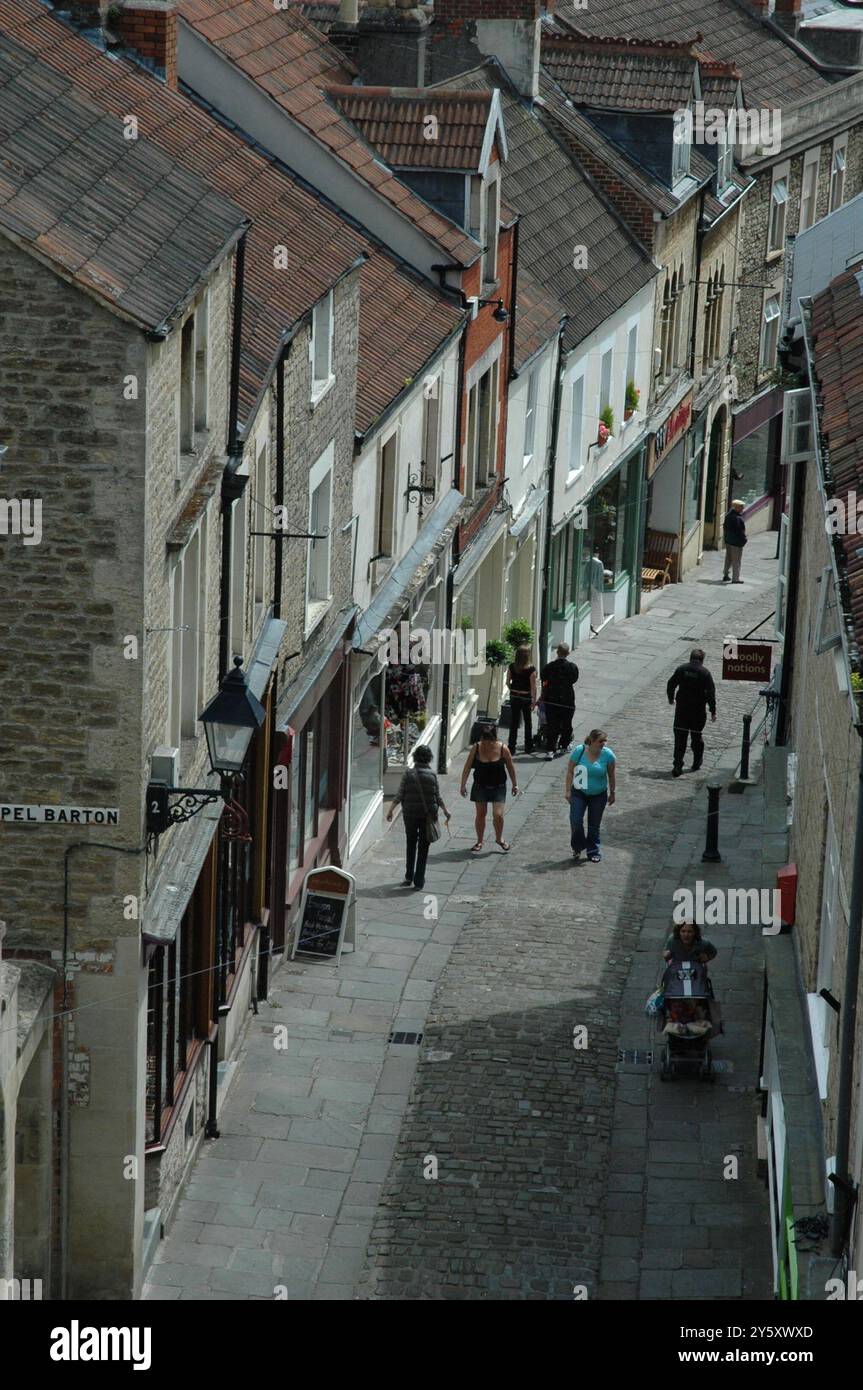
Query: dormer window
[680, 152]
[485, 221]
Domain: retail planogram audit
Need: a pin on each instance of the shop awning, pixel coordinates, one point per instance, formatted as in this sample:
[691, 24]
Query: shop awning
[477, 552]
[411, 571]
[179, 872]
[294, 696]
[263, 658]
[527, 514]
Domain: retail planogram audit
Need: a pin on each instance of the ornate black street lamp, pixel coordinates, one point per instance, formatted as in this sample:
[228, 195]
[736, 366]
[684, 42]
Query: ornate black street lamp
[230, 721]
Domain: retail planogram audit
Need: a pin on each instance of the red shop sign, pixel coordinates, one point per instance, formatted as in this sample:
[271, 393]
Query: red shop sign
[673, 428]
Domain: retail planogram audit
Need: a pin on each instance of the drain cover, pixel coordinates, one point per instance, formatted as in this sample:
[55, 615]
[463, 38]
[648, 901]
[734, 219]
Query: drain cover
[409, 1039]
[634, 1055]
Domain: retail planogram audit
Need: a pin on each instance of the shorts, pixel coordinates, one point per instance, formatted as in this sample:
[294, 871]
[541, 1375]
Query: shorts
[487, 794]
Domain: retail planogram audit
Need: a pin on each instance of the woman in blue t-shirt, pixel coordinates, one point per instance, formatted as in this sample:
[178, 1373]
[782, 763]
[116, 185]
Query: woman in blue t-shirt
[590, 780]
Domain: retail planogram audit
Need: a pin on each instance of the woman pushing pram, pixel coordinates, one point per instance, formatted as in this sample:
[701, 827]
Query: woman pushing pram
[684, 1006]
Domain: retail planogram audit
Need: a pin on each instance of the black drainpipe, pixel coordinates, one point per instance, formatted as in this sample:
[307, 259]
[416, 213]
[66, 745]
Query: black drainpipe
[559, 373]
[513, 292]
[454, 559]
[699, 243]
[280, 476]
[232, 485]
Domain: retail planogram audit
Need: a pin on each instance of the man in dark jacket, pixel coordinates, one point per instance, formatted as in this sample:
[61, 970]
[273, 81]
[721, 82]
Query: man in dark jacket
[692, 691]
[734, 535]
[558, 698]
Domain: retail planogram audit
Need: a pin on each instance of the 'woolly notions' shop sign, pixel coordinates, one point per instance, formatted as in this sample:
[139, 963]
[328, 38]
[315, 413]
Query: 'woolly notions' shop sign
[59, 815]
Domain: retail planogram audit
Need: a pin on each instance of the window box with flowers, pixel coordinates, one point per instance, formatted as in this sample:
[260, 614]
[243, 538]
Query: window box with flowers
[631, 400]
[606, 427]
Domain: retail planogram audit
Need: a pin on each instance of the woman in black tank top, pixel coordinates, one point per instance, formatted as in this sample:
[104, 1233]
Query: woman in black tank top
[490, 762]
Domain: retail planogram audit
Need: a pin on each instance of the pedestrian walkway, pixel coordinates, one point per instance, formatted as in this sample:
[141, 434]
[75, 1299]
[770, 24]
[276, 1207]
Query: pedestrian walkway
[496, 1159]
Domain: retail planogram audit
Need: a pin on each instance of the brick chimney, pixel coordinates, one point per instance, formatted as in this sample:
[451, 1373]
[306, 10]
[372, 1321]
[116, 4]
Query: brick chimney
[787, 14]
[149, 27]
[508, 30]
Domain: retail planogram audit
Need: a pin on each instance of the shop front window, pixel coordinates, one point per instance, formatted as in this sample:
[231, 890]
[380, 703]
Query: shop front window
[694, 475]
[406, 706]
[608, 509]
[586, 569]
[294, 841]
[367, 746]
[753, 463]
[467, 610]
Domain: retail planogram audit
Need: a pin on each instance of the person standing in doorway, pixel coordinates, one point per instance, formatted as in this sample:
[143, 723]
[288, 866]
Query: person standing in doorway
[692, 692]
[521, 681]
[558, 696]
[734, 535]
[590, 787]
[490, 762]
[419, 796]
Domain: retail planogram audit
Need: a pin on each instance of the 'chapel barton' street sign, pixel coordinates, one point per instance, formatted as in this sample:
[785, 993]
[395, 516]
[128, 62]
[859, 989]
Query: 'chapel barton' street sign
[59, 815]
[747, 661]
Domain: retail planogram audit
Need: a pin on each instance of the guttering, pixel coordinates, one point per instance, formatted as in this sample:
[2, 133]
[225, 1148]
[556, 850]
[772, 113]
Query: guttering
[454, 559]
[236, 346]
[280, 473]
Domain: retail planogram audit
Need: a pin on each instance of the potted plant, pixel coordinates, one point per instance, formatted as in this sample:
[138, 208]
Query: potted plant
[518, 633]
[607, 419]
[631, 400]
[857, 691]
[497, 653]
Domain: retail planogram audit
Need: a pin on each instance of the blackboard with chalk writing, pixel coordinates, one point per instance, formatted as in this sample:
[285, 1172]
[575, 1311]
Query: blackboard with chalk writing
[321, 927]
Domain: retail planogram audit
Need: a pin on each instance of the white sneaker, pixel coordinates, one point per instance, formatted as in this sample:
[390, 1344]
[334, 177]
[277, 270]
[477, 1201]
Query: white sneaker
[550, 757]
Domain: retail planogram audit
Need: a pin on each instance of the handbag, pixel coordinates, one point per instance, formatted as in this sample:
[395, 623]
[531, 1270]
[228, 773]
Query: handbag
[655, 1004]
[505, 721]
[432, 824]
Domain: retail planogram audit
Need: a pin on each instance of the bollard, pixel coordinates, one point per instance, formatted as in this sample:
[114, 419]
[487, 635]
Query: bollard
[744, 751]
[711, 849]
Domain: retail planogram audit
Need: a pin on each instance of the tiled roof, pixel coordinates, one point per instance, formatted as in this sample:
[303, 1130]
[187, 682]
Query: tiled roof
[774, 74]
[537, 318]
[291, 61]
[121, 218]
[622, 74]
[322, 13]
[402, 320]
[837, 334]
[420, 129]
[560, 208]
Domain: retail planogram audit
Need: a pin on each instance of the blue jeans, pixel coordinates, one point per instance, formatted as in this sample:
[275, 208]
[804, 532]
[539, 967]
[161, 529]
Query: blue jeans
[594, 806]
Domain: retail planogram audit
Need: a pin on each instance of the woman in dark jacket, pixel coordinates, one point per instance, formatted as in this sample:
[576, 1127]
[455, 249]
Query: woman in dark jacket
[687, 943]
[419, 797]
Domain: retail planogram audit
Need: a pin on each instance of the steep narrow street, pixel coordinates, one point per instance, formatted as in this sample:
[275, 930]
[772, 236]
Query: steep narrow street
[496, 1159]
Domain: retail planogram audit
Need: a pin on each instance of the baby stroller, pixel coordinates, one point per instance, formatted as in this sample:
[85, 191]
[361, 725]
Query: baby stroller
[689, 1019]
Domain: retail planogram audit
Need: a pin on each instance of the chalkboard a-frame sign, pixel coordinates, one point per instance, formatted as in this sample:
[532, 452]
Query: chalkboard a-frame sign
[326, 914]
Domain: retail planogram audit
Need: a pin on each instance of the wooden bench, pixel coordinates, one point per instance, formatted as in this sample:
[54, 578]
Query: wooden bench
[658, 558]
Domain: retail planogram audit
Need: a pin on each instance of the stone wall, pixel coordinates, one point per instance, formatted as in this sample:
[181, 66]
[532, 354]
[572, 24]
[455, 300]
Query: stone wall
[757, 269]
[674, 246]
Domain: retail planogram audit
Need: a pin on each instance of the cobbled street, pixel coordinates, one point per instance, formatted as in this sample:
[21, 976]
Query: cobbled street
[498, 1160]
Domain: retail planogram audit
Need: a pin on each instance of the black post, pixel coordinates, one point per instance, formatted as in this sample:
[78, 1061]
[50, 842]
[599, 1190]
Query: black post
[211, 1128]
[744, 751]
[711, 849]
[263, 963]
